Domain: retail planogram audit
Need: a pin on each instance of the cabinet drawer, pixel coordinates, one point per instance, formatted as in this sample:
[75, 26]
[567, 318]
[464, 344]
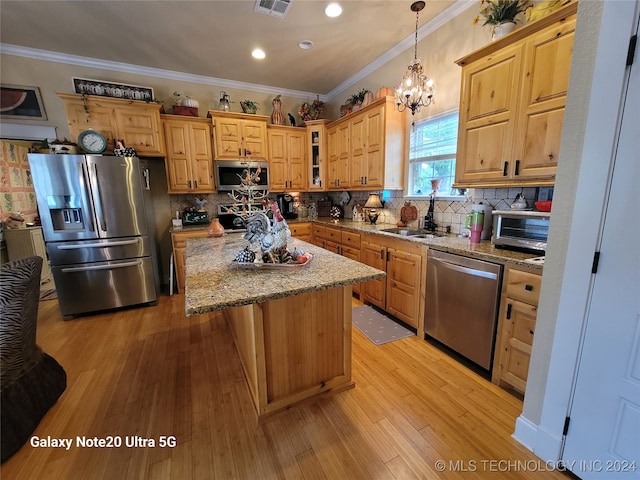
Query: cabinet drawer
[351, 239]
[300, 229]
[524, 286]
[319, 232]
[333, 234]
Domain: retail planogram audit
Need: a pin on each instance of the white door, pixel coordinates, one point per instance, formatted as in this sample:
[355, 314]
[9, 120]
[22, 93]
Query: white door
[603, 438]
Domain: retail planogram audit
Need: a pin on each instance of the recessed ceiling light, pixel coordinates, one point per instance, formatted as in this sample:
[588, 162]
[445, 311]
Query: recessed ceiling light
[305, 44]
[258, 53]
[333, 10]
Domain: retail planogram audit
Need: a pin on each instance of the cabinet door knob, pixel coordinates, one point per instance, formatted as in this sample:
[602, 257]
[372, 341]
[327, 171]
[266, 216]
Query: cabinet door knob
[517, 172]
[528, 287]
[505, 169]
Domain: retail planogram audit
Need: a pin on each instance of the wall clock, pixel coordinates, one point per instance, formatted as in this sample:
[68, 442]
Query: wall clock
[92, 141]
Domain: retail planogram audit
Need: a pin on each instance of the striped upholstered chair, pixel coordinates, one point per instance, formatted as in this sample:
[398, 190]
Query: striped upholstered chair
[30, 380]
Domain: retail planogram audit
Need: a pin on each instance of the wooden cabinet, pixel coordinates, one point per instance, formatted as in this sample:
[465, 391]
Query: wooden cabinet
[134, 121]
[516, 326]
[303, 231]
[317, 154]
[338, 240]
[287, 153]
[28, 242]
[401, 293]
[374, 255]
[235, 134]
[179, 243]
[366, 148]
[339, 154]
[512, 102]
[189, 160]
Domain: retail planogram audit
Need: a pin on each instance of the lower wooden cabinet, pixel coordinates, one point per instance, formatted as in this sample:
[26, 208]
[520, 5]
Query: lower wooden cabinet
[303, 231]
[179, 243]
[516, 327]
[401, 293]
[344, 242]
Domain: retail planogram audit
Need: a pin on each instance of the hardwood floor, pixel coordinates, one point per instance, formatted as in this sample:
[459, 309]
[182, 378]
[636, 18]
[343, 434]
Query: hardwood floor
[152, 372]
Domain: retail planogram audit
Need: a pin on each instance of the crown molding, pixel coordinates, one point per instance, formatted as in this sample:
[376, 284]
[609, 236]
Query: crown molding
[57, 57]
[428, 28]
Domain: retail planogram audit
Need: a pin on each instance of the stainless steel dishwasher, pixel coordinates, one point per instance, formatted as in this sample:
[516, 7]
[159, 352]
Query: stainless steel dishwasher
[462, 304]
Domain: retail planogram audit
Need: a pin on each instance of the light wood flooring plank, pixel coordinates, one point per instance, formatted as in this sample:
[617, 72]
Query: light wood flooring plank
[152, 371]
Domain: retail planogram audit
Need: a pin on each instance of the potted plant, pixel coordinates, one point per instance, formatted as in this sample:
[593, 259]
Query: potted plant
[501, 14]
[249, 106]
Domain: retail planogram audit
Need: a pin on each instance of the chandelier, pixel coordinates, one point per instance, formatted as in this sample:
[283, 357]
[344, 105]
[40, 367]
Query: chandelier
[416, 89]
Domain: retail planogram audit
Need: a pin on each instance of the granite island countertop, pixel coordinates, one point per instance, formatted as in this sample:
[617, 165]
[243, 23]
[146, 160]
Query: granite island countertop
[213, 281]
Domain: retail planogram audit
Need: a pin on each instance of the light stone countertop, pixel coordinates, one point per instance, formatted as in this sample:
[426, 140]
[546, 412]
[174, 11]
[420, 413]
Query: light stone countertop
[214, 282]
[484, 250]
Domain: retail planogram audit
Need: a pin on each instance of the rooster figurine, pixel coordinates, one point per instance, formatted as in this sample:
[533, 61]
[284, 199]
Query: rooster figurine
[271, 236]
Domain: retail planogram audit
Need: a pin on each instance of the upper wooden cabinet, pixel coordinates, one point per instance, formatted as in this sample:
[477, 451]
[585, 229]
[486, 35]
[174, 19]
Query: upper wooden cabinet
[287, 154]
[235, 134]
[366, 148]
[189, 160]
[134, 121]
[512, 103]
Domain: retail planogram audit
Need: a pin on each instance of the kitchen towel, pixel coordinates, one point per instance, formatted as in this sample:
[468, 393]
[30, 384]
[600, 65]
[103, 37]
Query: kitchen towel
[377, 327]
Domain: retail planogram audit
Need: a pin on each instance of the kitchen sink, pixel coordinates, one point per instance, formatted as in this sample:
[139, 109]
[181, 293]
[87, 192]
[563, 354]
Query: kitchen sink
[412, 232]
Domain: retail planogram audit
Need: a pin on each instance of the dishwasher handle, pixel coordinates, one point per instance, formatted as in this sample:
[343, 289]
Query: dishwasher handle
[466, 270]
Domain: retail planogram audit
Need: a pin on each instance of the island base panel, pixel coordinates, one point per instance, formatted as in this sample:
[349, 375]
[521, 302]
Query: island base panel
[294, 348]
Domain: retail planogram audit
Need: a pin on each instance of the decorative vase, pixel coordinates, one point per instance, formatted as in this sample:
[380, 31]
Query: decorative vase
[502, 29]
[435, 184]
[384, 92]
[368, 99]
[215, 228]
[277, 117]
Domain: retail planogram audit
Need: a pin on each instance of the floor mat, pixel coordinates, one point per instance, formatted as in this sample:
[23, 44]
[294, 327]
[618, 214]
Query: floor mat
[377, 327]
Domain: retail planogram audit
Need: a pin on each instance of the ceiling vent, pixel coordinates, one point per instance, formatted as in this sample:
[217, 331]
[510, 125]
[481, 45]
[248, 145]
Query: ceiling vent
[277, 8]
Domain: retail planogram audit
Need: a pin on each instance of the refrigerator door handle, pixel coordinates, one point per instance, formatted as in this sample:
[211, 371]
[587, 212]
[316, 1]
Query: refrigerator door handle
[98, 200]
[102, 267]
[84, 185]
[97, 245]
[147, 178]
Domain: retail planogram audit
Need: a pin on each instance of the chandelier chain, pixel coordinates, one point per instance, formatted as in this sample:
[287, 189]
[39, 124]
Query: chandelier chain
[415, 47]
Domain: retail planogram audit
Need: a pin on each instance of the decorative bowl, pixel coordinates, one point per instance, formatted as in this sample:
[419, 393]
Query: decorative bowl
[544, 206]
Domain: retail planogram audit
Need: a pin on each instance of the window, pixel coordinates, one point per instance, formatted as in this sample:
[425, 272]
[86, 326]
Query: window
[432, 155]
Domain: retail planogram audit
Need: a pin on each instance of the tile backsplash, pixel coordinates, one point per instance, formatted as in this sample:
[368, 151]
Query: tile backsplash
[447, 213]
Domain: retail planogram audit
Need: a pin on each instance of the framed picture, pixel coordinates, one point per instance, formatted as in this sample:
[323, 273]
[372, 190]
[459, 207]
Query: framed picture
[111, 89]
[21, 102]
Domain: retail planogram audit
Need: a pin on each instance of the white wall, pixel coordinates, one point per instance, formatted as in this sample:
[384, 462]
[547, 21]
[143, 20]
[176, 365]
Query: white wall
[597, 71]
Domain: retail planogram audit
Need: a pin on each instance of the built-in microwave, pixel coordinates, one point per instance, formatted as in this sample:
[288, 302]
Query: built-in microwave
[229, 174]
[521, 230]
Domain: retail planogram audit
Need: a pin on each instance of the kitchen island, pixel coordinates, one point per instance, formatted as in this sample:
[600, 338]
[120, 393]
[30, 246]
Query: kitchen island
[291, 326]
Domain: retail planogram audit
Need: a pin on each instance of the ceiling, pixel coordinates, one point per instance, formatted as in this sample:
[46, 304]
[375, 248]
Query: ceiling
[214, 39]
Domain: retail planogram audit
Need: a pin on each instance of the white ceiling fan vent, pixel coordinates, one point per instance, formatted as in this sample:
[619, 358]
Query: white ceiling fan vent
[277, 8]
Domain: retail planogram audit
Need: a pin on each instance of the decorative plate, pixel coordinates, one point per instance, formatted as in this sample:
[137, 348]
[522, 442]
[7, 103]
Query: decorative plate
[270, 266]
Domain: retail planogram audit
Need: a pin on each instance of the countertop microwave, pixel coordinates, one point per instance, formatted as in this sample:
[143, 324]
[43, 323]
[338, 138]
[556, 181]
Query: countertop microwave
[229, 174]
[521, 230]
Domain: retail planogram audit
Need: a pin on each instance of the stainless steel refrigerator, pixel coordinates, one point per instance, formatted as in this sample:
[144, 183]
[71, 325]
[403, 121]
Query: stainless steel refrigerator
[97, 220]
